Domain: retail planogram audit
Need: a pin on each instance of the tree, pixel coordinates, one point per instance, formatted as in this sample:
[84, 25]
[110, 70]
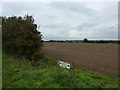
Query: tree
[85, 40]
[21, 37]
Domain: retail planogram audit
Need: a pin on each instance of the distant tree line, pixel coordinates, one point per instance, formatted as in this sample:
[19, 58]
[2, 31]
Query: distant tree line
[100, 41]
[20, 37]
[85, 40]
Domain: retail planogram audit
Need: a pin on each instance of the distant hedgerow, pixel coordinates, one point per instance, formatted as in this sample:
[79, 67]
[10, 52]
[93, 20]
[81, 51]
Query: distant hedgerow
[21, 37]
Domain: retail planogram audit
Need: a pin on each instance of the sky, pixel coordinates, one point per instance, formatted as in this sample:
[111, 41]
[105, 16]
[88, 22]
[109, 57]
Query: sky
[69, 20]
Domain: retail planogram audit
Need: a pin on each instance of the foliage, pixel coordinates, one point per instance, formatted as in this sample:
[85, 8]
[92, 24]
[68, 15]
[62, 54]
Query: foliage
[85, 40]
[17, 74]
[20, 37]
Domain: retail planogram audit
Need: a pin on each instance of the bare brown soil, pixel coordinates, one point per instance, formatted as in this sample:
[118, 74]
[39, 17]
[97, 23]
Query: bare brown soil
[96, 57]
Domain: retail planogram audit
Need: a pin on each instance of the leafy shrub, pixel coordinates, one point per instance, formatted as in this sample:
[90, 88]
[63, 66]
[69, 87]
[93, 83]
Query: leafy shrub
[21, 37]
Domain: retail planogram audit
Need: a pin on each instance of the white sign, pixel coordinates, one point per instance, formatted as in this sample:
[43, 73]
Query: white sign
[64, 64]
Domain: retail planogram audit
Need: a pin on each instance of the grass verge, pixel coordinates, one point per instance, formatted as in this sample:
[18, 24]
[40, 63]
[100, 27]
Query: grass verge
[45, 73]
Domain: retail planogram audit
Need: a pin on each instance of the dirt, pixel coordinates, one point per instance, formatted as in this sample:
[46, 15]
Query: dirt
[96, 57]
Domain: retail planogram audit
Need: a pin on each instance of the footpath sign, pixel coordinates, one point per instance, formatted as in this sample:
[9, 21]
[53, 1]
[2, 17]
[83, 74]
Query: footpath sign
[71, 69]
[64, 64]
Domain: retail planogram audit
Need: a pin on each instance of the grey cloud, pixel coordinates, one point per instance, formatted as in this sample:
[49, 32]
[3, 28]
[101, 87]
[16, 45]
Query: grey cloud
[85, 26]
[74, 7]
[70, 20]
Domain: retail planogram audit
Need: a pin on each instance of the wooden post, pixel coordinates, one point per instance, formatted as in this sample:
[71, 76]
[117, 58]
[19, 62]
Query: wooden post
[73, 78]
[58, 70]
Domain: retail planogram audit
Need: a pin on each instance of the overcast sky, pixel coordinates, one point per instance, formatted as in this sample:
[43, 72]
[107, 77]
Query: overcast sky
[69, 20]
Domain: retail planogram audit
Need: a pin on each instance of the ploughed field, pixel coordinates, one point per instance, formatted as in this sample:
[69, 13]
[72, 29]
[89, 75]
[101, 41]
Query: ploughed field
[96, 57]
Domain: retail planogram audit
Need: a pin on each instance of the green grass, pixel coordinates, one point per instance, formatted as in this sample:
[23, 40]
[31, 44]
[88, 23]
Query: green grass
[45, 73]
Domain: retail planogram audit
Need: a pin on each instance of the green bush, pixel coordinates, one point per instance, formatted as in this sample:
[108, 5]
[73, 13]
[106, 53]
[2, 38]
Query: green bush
[21, 37]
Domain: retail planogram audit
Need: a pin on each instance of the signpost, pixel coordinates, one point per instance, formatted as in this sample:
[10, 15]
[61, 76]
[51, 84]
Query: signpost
[64, 64]
[71, 69]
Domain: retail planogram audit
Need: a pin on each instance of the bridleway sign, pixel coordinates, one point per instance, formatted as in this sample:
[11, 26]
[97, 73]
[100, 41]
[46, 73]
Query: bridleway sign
[64, 64]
